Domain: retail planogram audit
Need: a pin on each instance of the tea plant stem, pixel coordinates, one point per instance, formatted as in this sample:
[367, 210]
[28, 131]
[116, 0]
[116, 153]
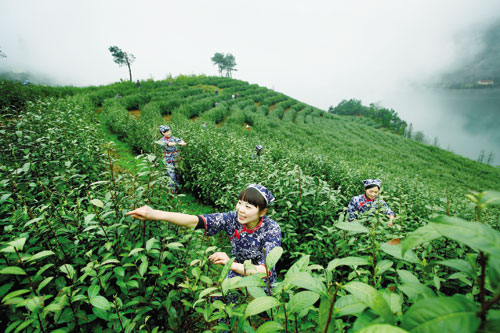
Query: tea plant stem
[160, 259]
[331, 307]
[52, 203]
[118, 313]
[14, 192]
[268, 282]
[482, 290]
[284, 310]
[484, 309]
[98, 217]
[72, 309]
[113, 190]
[57, 240]
[32, 287]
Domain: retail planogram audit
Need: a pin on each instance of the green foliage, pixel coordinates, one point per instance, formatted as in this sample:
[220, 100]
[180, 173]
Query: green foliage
[73, 262]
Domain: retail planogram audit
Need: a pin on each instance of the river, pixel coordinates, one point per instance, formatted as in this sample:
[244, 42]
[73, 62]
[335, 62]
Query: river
[465, 121]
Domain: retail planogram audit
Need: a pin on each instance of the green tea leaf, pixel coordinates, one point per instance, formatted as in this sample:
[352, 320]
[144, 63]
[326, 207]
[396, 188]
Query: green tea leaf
[143, 267]
[14, 325]
[349, 305]
[307, 281]
[174, 245]
[348, 261]
[490, 198]
[89, 218]
[460, 265]
[270, 326]
[354, 227]
[273, 256]
[100, 303]
[24, 325]
[395, 251]
[18, 244]
[12, 270]
[41, 254]
[406, 276]
[372, 298]
[134, 251]
[150, 243]
[261, 304]
[256, 292]
[206, 291]
[15, 294]
[5, 288]
[382, 266]
[110, 261]
[439, 314]
[377, 328]
[68, 270]
[299, 265]
[97, 203]
[226, 269]
[249, 281]
[493, 272]
[422, 235]
[93, 290]
[413, 290]
[44, 283]
[8, 249]
[474, 234]
[100, 313]
[302, 300]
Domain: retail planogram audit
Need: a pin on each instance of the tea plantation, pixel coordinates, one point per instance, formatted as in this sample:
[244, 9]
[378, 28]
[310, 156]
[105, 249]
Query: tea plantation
[71, 261]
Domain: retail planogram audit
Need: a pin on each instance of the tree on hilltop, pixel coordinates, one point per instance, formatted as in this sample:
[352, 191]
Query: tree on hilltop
[2, 55]
[230, 64]
[218, 59]
[225, 63]
[122, 58]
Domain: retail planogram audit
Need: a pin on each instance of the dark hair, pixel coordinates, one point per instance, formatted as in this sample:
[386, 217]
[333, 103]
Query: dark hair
[371, 186]
[254, 197]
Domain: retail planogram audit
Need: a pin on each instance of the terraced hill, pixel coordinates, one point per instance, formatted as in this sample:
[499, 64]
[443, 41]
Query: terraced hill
[80, 264]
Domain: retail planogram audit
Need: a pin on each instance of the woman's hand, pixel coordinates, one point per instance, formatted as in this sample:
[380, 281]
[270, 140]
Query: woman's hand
[219, 258]
[143, 213]
[391, 218]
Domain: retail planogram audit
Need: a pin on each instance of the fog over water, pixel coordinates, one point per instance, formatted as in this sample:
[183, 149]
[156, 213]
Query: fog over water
[465, 121]
[319, 52]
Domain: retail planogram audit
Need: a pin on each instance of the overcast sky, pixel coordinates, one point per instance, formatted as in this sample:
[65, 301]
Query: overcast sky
[319, 52]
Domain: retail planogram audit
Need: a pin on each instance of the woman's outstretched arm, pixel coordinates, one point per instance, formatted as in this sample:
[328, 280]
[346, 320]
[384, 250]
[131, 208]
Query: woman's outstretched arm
[148, 213]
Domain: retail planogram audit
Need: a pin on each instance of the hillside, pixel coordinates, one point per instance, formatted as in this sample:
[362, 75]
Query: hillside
[80, 264]
[483, 66]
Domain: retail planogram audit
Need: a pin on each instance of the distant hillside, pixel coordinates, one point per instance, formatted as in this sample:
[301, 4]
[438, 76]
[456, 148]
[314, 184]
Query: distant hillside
[484, 66]
[22, 76]
[341, 150]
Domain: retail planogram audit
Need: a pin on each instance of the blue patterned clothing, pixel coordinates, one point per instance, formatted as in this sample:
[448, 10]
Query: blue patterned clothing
[361, 204]
[246, 244]
[170, 152]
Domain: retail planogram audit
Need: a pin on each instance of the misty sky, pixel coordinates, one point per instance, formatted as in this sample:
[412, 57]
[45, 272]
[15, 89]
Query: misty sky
[318, 52]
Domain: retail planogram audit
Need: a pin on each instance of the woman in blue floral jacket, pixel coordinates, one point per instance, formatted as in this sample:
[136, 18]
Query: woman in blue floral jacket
[361, 204]
[251, 232]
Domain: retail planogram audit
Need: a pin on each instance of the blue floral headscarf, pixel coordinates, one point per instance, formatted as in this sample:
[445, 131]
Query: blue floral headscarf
[264, 191]
[368, 182]
[164, 128]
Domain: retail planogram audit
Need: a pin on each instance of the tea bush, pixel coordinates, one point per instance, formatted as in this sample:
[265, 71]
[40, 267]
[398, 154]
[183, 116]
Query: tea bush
[73, 262]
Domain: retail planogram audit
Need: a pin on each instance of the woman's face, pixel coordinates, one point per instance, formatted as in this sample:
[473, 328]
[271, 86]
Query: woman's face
[372, 193]
[248, 213]
[167, 134]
